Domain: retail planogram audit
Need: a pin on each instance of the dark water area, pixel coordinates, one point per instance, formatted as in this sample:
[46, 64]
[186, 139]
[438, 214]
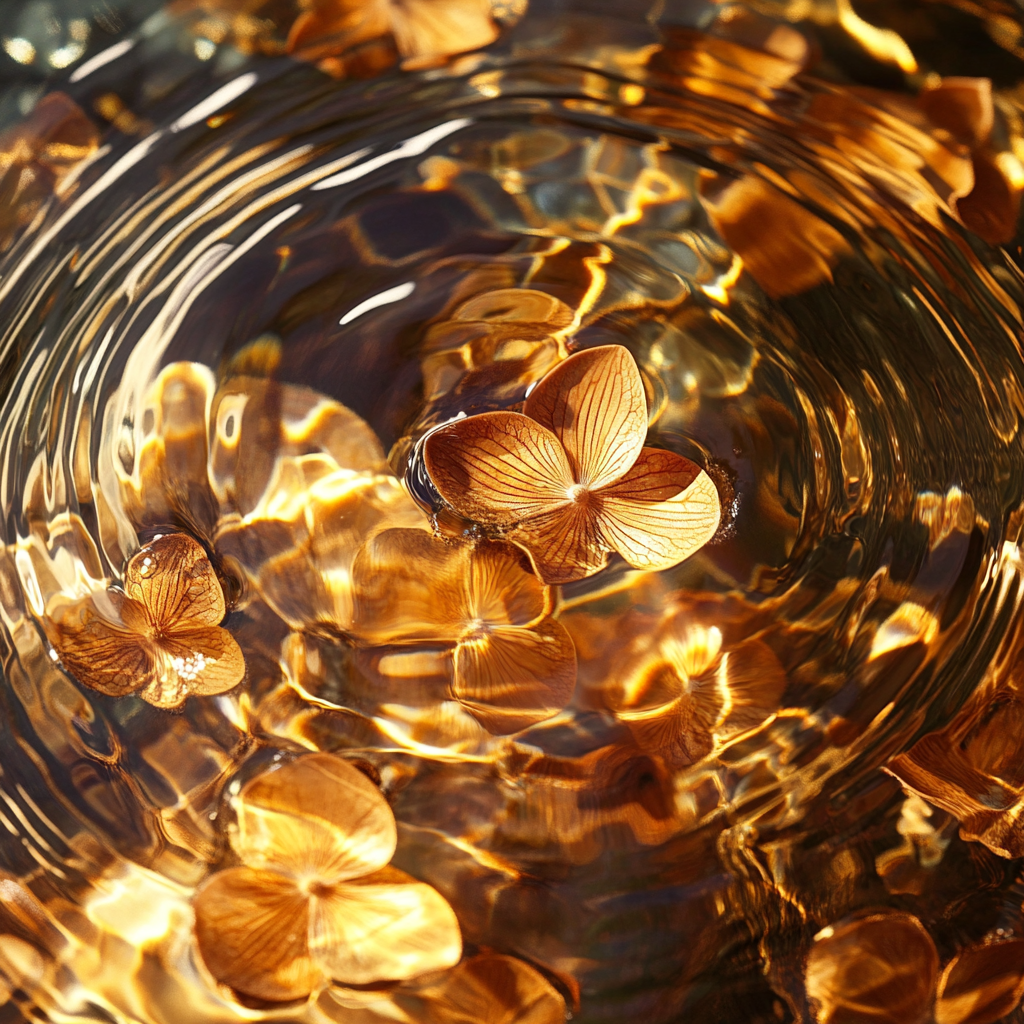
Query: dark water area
[786, 784]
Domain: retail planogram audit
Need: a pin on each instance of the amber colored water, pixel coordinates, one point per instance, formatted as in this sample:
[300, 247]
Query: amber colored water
[772, 231]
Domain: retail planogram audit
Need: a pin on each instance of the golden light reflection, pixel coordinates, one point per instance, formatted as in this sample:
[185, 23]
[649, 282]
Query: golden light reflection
[570, 480]
[313, 899]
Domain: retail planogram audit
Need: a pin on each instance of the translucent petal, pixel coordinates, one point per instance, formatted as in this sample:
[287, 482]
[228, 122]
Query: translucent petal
[441, 27]
[594, 403]
[496, 989]
[498, 467]
[98, 653]
[198, 662]
[391, 931]
[564, 544]
[315, 818]
[408, 585]
[252, 928]
[173, 579]
[511, 677]
[651, 529]
[501, 591]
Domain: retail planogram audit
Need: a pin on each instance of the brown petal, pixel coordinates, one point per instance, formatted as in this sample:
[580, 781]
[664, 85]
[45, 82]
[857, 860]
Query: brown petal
[564, 544]
[359, 934]
[510, 677]
[252, 930]
[198, 662]
[425, 28]
[880, 969]
[173, 579]
[981, 984]
[595, 405]
[498, 468]
[650, 529]
[496, 989]
[410, 586]
[501, 591]
[317, 817]
[99, 654]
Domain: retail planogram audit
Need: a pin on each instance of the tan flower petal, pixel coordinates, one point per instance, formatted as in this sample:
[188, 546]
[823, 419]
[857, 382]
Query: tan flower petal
[650, 529]
[511, 677]
[315, 818]
[359, 934]
[441, 27]
[173, 578]
[594, 403]
[112, 660]
[880, 969]
[496, 989]
[498, 468]
[564, 544]
[981, 984]
[410, 586]
[252, 931]
[198, 662]
[501, 590]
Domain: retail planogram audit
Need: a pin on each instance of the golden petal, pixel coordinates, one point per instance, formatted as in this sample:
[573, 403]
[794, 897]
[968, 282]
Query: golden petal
[501, 591]
[754, 682]
[408, 586]
[649, 528]
[315, 817]
[880, 968]
[173, 579]
[594, 403]
[981, 984]
[564, 544]
[115, 661]
[360, 934]
[498, 468]
[424, 28]
[198, 662]
[511, 678]
[496, 989]
[252, 929]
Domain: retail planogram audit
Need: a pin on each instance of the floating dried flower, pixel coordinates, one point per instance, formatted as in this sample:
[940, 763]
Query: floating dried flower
[161, 637]
[314, 900]
[570, 480]
[512, 663]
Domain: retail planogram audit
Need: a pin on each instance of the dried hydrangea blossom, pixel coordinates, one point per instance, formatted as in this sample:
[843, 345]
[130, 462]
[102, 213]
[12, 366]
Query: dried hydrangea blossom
[161, 637]
[569, 479]
[512, 663]
[313, 899]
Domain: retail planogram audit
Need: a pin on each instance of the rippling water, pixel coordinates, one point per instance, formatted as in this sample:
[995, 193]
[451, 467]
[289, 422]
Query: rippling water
[798, 265]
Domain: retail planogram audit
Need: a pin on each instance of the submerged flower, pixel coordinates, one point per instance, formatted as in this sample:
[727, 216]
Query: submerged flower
[161, 637]
[685, 694]
[512, 663]
[313, 900]
[570, 480]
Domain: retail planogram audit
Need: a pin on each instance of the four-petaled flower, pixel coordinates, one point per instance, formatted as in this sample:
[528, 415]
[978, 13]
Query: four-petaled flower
[569, 478]
[512, 664]
[314, 900]
[160, 637]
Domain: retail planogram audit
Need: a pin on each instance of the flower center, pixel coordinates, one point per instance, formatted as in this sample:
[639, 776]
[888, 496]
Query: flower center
[578, 494]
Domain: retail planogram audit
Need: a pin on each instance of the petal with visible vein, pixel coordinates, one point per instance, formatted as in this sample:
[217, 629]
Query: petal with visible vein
[594, 403]
[498, 468]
